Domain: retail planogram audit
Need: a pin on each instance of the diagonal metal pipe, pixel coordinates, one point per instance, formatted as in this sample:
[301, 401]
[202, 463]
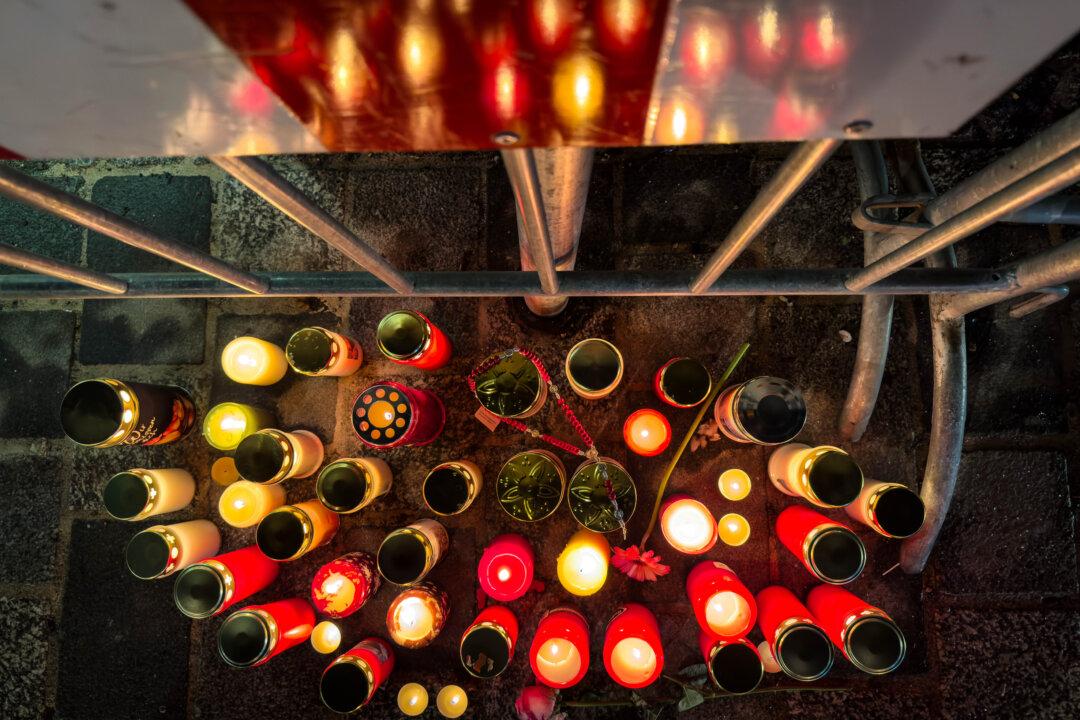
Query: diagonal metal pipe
[1043, 298]
[529, 201]
[32, 262]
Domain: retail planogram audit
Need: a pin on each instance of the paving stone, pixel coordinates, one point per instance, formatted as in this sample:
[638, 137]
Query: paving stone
[30, 485]
[149, 332]
[123, 645]
[1010, 528]
[39, 232]
[880, 699]
[35, 355]
[26, 626]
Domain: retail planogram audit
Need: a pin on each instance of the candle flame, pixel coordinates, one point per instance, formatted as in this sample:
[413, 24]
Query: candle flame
[239, 504]
[769, 26]
[245, 359]
[333, 584]
[233, 422]
[503, 574]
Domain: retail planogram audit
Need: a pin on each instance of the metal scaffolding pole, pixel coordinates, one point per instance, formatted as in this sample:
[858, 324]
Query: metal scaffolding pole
[524, 179]
[17, 257]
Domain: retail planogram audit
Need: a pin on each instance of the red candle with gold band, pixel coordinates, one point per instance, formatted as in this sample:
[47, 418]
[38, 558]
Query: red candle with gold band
[488, 645]
[254, 634]
[560, 649]
[212, 586]
[389, 415]
[633, 653]
[409, 338]
[506, 568]
[734, 666]
[350, 681]
[342, 586]
[829, 550]
[801, 648]
[865, 634]
[724, 608]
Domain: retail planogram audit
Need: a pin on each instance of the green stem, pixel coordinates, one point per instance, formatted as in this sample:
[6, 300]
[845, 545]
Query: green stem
[739, 354]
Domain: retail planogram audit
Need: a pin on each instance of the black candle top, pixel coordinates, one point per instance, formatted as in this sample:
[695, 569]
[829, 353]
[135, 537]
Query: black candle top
[280, 535]
[835, 478]
[686, 381]
[259, 457]
[594, 365]
[838, 555]
[342, 486]
[875, 645]
[736, 668]
[401, 334]
[91, 412]
[771, 410]
[402, 558]
[804, 652]
[344, 687]
[243, 639]
[199, 591]
[485, 652]
[125, 495]
[446, 489]
[147, 555]
[900, 512]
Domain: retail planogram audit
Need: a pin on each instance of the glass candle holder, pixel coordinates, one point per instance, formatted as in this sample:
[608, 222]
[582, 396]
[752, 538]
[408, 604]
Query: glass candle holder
[106, 412]
[724, 608]
[226, 424]
[865, 634]
[825, 476]
[531, 485]
[270, 456]
[293, 531]
[343, 585]
[594, 368]
[138, 494]
[763, 410]
[559, 654]
[417, 615]
[211, 587]
[412, 699]
[251, 361]
[798, 645]
[647, 432]
[488, 644]
[254, 634]
[590, 498]
[687, 525]
[409, 338]
[682, 382]
[451, 487]
[890, 509]
[506, 568]
[351, 484]
[733, 666]
[389, 414]
[452, 701]
[326, 637]
[512, 387]
[350, 681]
[318, 351]
[830, 551]
[159, 551]
[408, 554]
[244, 503]
[633, 653]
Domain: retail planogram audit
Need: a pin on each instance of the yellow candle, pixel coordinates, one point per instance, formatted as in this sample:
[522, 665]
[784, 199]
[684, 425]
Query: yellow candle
[138, 494]
[228, 423]
[412, 699]
[245, 503]
[734, 484]
[224, 472]
[633, 660]
[251, 361]
[411, 620]
[558, 661]
[326, 637]
[727, 613]
[733, 529]
[688, 526]
[583, 565]
[452, 701]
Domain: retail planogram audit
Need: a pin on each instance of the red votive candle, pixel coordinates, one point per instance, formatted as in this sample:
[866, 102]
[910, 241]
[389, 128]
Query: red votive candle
[734, 666]
[724, 608]
[865, 634]
[560, 649]
[506, 568]
[349, 682]
[256, 633]
[389, 415]
[633, 653]
[342, 586]
[801, 648]
[687, 525]
[212, 586]
[830, 551]
[647, 432]
[488, 645]
[409, 338]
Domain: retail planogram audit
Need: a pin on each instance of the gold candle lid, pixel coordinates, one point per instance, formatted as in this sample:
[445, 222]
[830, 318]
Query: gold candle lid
[347, 684]
[312, 350]
[247, 637]
[266, 456]
[285, 533]
[130, 495]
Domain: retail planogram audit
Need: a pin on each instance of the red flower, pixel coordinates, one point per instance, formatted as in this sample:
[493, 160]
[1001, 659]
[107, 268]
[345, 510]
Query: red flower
[536, 702]
[639, 565]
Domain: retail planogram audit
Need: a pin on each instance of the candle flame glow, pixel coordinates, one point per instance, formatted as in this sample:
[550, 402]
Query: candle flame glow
[245, 359]
[503, 574]
[239, 504]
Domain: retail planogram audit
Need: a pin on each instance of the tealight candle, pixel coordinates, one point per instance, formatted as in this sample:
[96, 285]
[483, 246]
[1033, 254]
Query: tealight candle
[488, 645]
[734, 484]
[412, 699]
[251, 361]
[254, 634]
[138, 494]
[647, 432]
[829, 550]
[506, 568]
[408, 554]
[560, 649]
[866, 635]
[795, 642]
[326, 637]
[226, 424]
[245, 503]
[342, 586]
[318, 351]
[582, 566]
[724, 608]
[293, 531]
[825, 476]
[351, 484]
[164, 549]
[687, 525]
[633, 654]
[733, 529]
[350, 681]
[409, 338]
[211, 587]
[452, 702]
[270, 456]
[417, 616]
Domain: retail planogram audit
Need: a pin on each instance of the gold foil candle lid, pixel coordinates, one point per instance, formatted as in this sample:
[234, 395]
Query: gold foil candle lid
[684, 382]
[512, 387]
[803, 651]
[594, 366]
[403, 335]
[311, 350]
[531, 484]
[590, 497]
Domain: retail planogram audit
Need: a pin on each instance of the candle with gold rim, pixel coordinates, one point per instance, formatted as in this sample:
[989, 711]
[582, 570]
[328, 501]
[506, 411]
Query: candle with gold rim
[560, 649]
[326, 637]
[214, 585]
[408, 554]
[734, 484]
[829, 550]
[733, 666]
[452, 701]
[582, 566]
[270, 456]
[318, 351]
[351, 484]
[254, 634]
[409, 338]
[825, 476]
[245, 503]
[647, 432]
[795, 643]
[417, 615]
[251, 361]
[687, 525]
[138, 494]
[161, 550]
[293, 531]
[350, 681]
[487, 647]
[226, 424]
[733, 529]
[451, 487]
[343, 585]
[412, 699]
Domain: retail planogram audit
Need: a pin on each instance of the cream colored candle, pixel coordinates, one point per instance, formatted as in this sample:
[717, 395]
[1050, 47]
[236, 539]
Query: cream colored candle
[452, 701]
[244, 503]
[326, 637]
[226, 424]
[251, 361]
[890, 509]
[583, 564]
[633, 660]
[825, 476]
[351, 484]
[139, 493]
[558, 661]
[270, 456]
[687, 525]
[412, 620]
[162, 550]
[727, 613]
[412, 699]
[733, 529]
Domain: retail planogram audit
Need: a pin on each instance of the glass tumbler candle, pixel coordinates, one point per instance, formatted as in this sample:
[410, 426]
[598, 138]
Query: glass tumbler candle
[633, 653]
[270, 456]
[506, 568]
[138, 494]
[488, 644]
[351, 484]
[763, 410]
[682, 382]
[451, 487]
[244, 503]
[531, 485]
[647, 432]
[687, 525]
[254, 634]
[228, 423]
[106, 412]
[343, 585]
[417, 615]
[350, 681]
[723, 606]
[582, 566]
[409, 338]
[408, 554]
[796, 642]
[866, 635]
[560, 648]
[317, 351]
[733, 666]
[594, 368]
[590, 495]
[251, 361]
[389, 414]
[159, 551]
[825, 476]
[293, 531]
[890, 509]
[211, 587]
[512, 387]
[829, 550]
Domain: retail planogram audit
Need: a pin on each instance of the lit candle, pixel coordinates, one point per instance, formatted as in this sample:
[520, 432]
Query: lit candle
[223, 471]
[633, 654]
[866, 635]
[409, 338]
[734, 484]
[350, 681]
[577, 90]
[292, 531]
[724, 608]
[211, 587]
[733, 529]
[488, 645]
[408, 554]
[583, 564]
[830, 551]
[687, 525]
[560, 649]
[251, 361]
[890, 509]
[682, 382]
[417, 615]
[245, 503]
[763, 410]
[270, 456]
[226, 424]
[825, 476]
[106, 412]
[318, 351]
[450, 487]
[342, 586]
[351, 484]
[733, 666]
[707, 47]
[647, 432]
[138, 494]
[506, 568]
[452, 702]
[326, 637]
[164, 549]
[796, 644]
[254, 634]
[412, 699]
[389, 414]
[594, 368]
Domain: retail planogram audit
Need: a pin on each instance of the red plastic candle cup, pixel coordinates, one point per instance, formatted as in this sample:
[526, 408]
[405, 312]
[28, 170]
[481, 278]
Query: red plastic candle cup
[647, 432]
[800, 647]
[734, 666]
[254, 634]
[724, 608]
[865, 634]
[633, 653]
[488, 645]
[389, 415]
[211, 587]
[687, 525]
[349, 682]
[409, 338]
[682, 382]
[560, 649]
[830, 551]
[506, 568]
[342, 586]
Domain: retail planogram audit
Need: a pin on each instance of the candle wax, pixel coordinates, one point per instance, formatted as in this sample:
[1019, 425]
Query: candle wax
[412, 699]
[339, 592]
[326, 637]
[224, 472]
[452, 701]
[244, 503]
[688, 526]
[251, 361]
[734, 484]
[413, 619]
[558, 661]
[727, 613]
[733, 529]
[228, 423]
[647, 432]
[633, 660]
[583, 565]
